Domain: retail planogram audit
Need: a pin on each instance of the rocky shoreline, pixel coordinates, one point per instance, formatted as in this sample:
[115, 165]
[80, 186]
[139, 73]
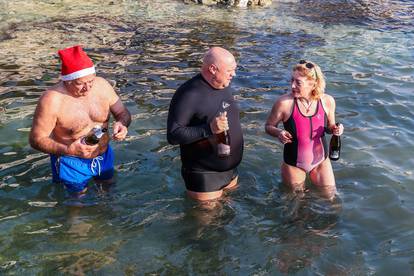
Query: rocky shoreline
[234, 3]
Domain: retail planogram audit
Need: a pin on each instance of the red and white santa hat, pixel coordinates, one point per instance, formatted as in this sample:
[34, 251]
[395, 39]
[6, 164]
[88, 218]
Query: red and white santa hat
[75, 63]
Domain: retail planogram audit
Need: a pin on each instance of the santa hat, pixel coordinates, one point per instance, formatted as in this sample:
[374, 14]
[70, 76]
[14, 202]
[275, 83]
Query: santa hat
[75, 63]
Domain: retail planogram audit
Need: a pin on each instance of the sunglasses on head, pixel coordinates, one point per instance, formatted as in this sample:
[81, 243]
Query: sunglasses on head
[307, 64]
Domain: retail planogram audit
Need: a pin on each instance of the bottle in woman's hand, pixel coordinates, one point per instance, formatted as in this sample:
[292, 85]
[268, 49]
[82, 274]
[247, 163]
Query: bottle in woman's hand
[335, 147]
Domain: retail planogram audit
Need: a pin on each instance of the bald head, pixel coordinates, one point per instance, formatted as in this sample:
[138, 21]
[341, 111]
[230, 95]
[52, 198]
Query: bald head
[217, 55]
[219, 67]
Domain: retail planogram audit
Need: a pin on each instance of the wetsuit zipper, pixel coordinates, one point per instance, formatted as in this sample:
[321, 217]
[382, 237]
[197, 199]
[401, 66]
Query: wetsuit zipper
[311, 127]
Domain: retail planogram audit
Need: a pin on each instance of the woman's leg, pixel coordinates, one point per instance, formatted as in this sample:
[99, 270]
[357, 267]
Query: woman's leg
[293, 177]
[323, 178]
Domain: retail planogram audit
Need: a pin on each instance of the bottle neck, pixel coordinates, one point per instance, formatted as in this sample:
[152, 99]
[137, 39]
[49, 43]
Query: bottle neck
[100, 132]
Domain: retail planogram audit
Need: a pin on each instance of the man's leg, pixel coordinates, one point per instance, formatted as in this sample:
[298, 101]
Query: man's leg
[105, 177]
[232, 185]
[72, 173]
[202, 196]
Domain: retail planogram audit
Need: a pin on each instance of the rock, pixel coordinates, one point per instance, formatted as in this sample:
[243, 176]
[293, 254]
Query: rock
[208, 2]
[243, 3]
[229, 3]
[265, 3]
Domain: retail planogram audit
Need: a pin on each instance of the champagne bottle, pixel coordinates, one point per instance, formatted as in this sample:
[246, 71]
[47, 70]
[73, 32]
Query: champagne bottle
[94, 136]
[223, 143]
[335, 147]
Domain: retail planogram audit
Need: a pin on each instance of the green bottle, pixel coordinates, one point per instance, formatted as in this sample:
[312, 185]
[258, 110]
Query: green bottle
[94, 136]
[335, 147]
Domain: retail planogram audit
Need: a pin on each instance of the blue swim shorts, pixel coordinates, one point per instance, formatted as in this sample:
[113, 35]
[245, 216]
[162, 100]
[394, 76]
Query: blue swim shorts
[75, 172]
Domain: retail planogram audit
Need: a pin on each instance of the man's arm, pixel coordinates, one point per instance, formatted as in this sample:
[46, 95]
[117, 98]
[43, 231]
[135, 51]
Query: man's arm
[179, 116]
[122, 120]
[119, 111]
[44, 122]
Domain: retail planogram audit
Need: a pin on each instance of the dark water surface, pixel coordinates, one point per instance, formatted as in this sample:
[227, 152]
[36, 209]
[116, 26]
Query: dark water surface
[146, 225]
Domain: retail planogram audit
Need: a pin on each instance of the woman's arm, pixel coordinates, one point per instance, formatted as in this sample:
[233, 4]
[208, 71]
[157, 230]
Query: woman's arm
[277, 115]
[332, 127]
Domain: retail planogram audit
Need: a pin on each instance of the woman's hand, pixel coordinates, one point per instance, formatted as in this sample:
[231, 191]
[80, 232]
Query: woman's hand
[285, 137]
[337, 130]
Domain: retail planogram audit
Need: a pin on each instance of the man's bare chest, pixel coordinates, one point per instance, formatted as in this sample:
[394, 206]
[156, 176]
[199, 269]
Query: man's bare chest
[75, 115]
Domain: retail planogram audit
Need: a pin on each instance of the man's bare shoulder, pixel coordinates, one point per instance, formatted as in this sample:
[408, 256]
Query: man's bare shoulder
[103, 83]
[109, 94]
[53, 95]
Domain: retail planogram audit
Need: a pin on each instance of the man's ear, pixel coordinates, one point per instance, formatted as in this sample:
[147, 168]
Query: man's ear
[212, 69]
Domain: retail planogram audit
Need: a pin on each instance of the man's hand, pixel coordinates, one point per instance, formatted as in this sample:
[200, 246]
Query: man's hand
[119, 131]
[79, 149]
[219, 124]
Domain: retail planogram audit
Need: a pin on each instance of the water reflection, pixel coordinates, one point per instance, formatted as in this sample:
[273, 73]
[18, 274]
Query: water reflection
[146, 224]
[296, 229]
[376, 14]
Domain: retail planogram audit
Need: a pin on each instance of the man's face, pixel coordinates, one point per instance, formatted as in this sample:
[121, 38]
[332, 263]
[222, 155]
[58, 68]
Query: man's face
[81, 87]
[224, 72]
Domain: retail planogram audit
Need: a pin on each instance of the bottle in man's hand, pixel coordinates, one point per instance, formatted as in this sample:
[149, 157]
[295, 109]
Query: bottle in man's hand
[94, 136]
[223, 143]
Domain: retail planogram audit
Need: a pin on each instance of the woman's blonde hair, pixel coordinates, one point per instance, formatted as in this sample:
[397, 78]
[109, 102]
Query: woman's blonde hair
[314, 73]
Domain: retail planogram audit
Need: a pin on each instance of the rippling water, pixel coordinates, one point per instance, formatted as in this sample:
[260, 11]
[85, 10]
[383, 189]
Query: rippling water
[146, 224]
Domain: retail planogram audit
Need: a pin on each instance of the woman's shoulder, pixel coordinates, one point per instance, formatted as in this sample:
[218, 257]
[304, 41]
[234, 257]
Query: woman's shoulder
[328, 102]
[327, 99]
[284, 103]
[285, 99]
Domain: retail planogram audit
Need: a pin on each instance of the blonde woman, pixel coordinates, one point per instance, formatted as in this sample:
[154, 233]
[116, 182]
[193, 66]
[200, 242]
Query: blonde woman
[307, 113]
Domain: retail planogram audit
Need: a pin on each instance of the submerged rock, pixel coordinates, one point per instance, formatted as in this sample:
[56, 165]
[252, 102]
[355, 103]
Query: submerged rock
[234, 3]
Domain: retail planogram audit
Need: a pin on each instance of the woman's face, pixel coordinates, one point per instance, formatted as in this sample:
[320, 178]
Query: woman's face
[301, 85]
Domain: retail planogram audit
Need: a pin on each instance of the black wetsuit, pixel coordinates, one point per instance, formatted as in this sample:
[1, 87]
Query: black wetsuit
[194, 105]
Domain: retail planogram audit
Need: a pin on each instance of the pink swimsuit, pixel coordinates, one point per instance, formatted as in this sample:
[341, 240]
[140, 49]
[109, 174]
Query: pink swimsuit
[309, 147]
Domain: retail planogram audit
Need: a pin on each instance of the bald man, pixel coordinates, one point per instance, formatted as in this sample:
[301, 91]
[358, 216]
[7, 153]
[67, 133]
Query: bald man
[201, 110]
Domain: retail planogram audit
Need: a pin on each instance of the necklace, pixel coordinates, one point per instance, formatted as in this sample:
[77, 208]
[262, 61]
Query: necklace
[307, 107]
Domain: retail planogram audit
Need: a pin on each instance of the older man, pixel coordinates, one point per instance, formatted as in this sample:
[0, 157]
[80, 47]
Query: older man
[67, 112]
[201, 110]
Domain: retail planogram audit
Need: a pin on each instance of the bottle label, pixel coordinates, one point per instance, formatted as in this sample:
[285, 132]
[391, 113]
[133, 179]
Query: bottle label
[334, 155]
[223, 150]
[94, 135]
[99, 133]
